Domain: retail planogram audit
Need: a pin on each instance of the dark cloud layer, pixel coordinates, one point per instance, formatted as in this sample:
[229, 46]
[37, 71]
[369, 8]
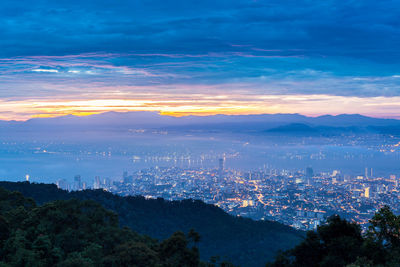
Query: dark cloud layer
[361, 29]
[347, 48]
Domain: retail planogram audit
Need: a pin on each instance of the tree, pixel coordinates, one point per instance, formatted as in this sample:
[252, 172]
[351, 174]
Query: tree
[336, 243]
[194, 236]
[70, 233]
[174, 251]
[341, 243]
[385, 228]
[133, 254]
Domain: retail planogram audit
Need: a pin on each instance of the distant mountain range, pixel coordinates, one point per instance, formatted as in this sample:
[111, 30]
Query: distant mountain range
[264, 123]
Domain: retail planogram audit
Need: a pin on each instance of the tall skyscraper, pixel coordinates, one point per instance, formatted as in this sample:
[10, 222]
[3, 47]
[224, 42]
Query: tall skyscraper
[127, 179]
[309, 175]
[96, 184]
[77, 182]
[221, 163]
[309, 172]
[366, 192]
[62, 184]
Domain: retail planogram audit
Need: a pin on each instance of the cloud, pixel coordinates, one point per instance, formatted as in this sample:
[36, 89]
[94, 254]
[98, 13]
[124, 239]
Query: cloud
[181, 105]
[366, 29]
[45, 70]
[54, 49]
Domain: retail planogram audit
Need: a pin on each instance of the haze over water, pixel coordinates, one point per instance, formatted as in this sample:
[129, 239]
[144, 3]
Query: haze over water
[63, 58]
[93, 150]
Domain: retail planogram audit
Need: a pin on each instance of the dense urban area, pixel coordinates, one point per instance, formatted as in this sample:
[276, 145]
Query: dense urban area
[301, 199]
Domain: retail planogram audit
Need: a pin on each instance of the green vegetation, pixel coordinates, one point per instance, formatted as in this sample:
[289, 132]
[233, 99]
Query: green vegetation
[81, 233]
[341, 243]
[239, 240]
[77, 231]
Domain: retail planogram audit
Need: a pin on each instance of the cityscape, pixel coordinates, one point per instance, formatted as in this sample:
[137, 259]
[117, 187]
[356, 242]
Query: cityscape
[194, 133]
[301, 199]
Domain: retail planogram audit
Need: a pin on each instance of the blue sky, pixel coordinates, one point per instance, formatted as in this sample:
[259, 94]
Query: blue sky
[199, 57]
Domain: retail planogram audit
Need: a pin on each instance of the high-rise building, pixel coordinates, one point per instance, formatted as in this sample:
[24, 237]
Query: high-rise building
[77, 182]
[221, 163]
[309, 175]
[106, 182]
[366, 192]
[96, 184]
[127, 179]
[309, 172]
[62, 184]
[335, 173]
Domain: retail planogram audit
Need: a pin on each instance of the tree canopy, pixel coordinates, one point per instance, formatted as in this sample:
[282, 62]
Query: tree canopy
[341, 243]
[236, 239]
[70, 233]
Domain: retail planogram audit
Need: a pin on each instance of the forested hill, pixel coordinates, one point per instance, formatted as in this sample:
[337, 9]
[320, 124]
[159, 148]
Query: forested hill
[74, 233]
[242, 241]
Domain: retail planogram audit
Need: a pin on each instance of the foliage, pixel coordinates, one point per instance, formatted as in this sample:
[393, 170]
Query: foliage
[341, 243]
[68, 233]
[235, 239]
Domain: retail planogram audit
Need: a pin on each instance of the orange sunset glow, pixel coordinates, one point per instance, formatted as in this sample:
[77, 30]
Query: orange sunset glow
[312, 105]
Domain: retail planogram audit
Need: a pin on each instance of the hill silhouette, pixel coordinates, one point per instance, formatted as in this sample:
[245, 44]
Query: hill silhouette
[123, 121]
[239, 240]
[67, 233]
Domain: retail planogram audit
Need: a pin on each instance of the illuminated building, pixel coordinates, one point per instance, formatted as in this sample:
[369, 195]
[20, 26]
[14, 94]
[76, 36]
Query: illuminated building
[366, 192]
[77, 182]
[221, 163]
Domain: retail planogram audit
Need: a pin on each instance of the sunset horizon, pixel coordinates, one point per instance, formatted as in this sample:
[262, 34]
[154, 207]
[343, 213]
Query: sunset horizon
[188, 133]
[308, 105]
[231, 58]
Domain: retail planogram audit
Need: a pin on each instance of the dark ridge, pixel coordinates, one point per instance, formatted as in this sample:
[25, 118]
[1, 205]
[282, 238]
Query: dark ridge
[66, 233]
[239, 240]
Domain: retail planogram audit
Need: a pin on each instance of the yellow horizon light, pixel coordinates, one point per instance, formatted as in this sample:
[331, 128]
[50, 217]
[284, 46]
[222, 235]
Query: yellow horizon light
[202, 105]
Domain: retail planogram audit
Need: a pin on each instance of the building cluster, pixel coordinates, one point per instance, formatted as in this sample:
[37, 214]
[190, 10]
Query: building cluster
[302, 199]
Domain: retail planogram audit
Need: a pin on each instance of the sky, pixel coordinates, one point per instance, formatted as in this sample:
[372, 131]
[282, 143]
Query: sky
[199, 57]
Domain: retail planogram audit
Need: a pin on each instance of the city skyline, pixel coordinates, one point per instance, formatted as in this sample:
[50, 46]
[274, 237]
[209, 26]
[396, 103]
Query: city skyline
[299, 198]
[199, 133]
